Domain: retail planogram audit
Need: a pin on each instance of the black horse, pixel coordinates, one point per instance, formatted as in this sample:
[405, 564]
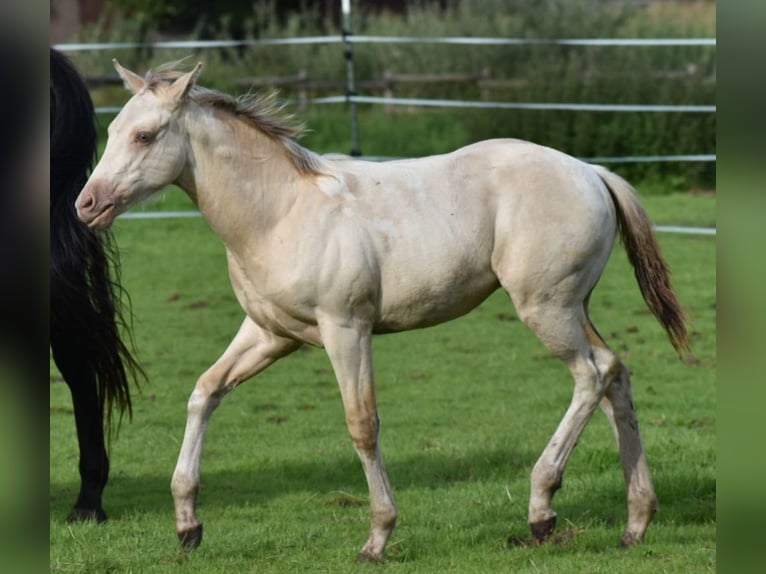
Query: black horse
[86, 310]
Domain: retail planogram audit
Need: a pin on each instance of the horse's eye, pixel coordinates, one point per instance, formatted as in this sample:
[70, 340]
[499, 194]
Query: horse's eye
[144, 137]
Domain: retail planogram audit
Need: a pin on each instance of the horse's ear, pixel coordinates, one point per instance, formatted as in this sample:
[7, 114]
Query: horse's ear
[180, 87]
[133, 82]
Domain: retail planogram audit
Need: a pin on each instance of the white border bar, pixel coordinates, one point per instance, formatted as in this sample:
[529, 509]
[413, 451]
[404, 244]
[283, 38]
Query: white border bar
[514, 105]
[189, 214]
[190, 44]
[363, 39]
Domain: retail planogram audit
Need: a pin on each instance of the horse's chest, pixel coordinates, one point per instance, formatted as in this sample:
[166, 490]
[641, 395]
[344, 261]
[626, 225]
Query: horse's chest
[269, 306]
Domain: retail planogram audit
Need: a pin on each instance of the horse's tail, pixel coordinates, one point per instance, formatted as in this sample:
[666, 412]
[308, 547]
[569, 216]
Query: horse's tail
[89, 305]
[87, 301]
[652, 272]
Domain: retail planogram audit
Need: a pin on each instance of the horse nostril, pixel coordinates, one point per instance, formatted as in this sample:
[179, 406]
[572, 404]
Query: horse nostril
[86, 202]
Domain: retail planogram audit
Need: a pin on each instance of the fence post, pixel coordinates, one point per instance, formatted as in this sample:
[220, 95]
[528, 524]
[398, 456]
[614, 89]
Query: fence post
[388, 87]
[484, 75]
[350, 86]
[303, 94]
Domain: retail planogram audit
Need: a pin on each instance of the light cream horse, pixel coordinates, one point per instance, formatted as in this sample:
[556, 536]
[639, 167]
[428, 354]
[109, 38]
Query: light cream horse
[331, 250]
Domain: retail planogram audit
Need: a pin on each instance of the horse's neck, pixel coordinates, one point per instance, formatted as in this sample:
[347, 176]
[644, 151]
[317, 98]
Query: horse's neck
[241, 180]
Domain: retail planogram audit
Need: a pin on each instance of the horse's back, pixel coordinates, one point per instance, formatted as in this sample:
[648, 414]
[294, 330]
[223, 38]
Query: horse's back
[495, 172]
[500, 190]
[447, 230]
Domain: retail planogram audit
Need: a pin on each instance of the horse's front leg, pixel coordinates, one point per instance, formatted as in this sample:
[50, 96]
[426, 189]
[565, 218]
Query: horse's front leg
[252, 350]
[349, 347]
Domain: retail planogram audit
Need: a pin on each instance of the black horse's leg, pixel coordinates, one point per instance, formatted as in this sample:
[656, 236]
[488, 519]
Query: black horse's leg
[72, 360]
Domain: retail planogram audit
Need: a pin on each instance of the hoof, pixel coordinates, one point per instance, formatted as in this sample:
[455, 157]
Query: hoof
[630, 539]
[515, 541]
[86, 514]
[542, 530]
[190, 539]
[366, 557]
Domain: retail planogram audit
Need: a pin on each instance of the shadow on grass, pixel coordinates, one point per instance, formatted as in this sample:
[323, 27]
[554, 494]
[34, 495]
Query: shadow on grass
[684, 498]
[321, 475]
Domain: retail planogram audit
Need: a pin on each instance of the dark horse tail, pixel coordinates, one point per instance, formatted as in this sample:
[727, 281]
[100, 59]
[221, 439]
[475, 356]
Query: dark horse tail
[86, 299]
[652, 272]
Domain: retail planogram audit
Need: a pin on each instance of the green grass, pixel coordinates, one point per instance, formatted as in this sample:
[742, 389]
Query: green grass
[466, 409]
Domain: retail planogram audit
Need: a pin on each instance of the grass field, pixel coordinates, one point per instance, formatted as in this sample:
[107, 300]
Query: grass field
[466, 408]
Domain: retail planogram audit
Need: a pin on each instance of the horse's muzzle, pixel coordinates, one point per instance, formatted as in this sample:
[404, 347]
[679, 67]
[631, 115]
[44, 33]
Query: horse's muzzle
[93, 209]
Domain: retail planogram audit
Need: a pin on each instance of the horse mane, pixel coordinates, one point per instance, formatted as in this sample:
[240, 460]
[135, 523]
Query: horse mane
[261, 111]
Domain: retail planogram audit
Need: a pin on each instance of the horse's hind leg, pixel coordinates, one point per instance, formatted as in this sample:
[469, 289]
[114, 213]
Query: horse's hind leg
[642, 502]
[78, 373]
[252, 350]
[565, 332]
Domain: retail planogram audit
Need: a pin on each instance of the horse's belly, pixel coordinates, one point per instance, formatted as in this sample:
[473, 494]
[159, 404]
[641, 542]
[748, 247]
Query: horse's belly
[414, 305]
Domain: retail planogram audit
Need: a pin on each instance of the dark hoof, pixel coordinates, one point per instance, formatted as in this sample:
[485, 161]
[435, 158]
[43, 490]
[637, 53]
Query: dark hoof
[515, 541]
[365, 558]
[190, 539]
[86, 514]
[542, 530]
[629, 539]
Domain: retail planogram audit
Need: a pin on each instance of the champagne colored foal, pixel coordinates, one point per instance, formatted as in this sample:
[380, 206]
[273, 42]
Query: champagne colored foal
[331, 250]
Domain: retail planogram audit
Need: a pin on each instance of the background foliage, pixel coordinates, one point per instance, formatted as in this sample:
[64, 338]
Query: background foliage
[619, 75]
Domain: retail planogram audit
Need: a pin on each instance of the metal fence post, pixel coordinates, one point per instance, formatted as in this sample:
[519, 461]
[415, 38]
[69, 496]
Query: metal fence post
[350, 85]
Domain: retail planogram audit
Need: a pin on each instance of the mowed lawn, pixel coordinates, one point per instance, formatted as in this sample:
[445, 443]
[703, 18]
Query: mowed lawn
[466, 409]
